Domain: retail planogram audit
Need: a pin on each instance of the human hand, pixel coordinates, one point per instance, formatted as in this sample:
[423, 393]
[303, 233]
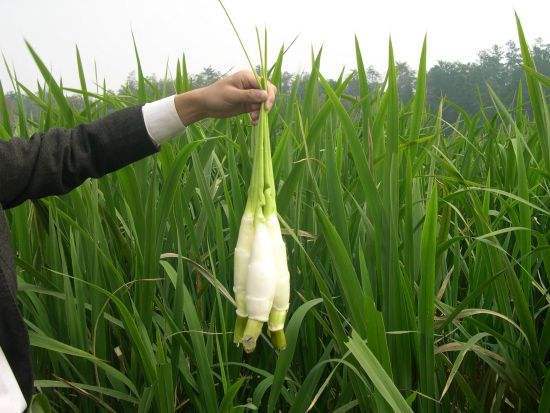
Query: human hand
[230, 96]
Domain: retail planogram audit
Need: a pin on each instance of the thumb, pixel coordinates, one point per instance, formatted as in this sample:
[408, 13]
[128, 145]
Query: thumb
[250, 96]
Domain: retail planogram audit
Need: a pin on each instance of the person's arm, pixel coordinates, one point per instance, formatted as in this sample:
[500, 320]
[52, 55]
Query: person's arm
[55, 162]
[59, 160]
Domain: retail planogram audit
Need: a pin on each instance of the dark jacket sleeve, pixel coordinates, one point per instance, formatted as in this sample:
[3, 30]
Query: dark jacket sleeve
[57, 161]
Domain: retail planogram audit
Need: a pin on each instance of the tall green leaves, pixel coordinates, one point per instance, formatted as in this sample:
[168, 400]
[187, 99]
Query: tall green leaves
[182, 77]
[537, 97]
[364, 92]
[419, 102]
[55, 89]
[347, 277]
[5, 125]
[83, 87]
[141, 94]
[376, 373]
[426, 301]
[426, 243]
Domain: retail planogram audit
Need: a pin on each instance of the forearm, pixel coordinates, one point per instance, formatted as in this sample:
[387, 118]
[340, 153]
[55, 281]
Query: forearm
[190, 106]
[59, 160]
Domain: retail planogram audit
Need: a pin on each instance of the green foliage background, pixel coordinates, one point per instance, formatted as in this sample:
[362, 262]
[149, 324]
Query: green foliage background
[418, 250]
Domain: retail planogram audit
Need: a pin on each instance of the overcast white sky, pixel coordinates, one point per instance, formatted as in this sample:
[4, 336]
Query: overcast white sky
[166, 28]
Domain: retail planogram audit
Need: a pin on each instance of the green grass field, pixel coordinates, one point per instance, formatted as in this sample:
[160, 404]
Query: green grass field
[418, 251]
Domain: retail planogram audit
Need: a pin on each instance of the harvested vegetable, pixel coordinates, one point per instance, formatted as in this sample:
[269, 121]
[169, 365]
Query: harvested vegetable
[261, 277]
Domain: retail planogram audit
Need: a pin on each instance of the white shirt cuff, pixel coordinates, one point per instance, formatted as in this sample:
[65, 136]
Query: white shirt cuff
[162, 120]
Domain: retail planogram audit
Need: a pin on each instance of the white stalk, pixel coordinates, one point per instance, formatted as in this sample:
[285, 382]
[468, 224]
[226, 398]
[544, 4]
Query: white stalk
[242, 260]
[282, 293]
[261, 281]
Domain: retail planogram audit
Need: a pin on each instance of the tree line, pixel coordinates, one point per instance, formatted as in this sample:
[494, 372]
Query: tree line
[463, 84]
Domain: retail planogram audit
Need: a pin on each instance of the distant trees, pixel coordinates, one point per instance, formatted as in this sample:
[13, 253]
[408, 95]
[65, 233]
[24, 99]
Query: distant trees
[205, 77]
[466, 83]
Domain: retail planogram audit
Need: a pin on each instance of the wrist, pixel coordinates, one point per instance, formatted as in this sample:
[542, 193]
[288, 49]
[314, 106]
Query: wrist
[189, 106]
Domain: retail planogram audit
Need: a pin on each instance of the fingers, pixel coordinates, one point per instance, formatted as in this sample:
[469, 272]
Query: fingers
[247, 79]
[255, 117]
[251, 96]
[248, 96]
[254, 110]
[249, 91]
[271, 93]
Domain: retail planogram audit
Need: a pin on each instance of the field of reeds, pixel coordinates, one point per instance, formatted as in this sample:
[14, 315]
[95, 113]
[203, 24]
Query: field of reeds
[418, 251]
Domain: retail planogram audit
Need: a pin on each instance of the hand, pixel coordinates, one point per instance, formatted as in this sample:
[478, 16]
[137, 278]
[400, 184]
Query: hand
[229, 96]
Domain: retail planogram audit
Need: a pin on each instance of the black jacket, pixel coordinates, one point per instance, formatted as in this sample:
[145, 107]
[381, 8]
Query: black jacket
[54, 163]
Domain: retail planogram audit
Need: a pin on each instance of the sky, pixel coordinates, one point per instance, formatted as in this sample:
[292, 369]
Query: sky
[164, 29]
